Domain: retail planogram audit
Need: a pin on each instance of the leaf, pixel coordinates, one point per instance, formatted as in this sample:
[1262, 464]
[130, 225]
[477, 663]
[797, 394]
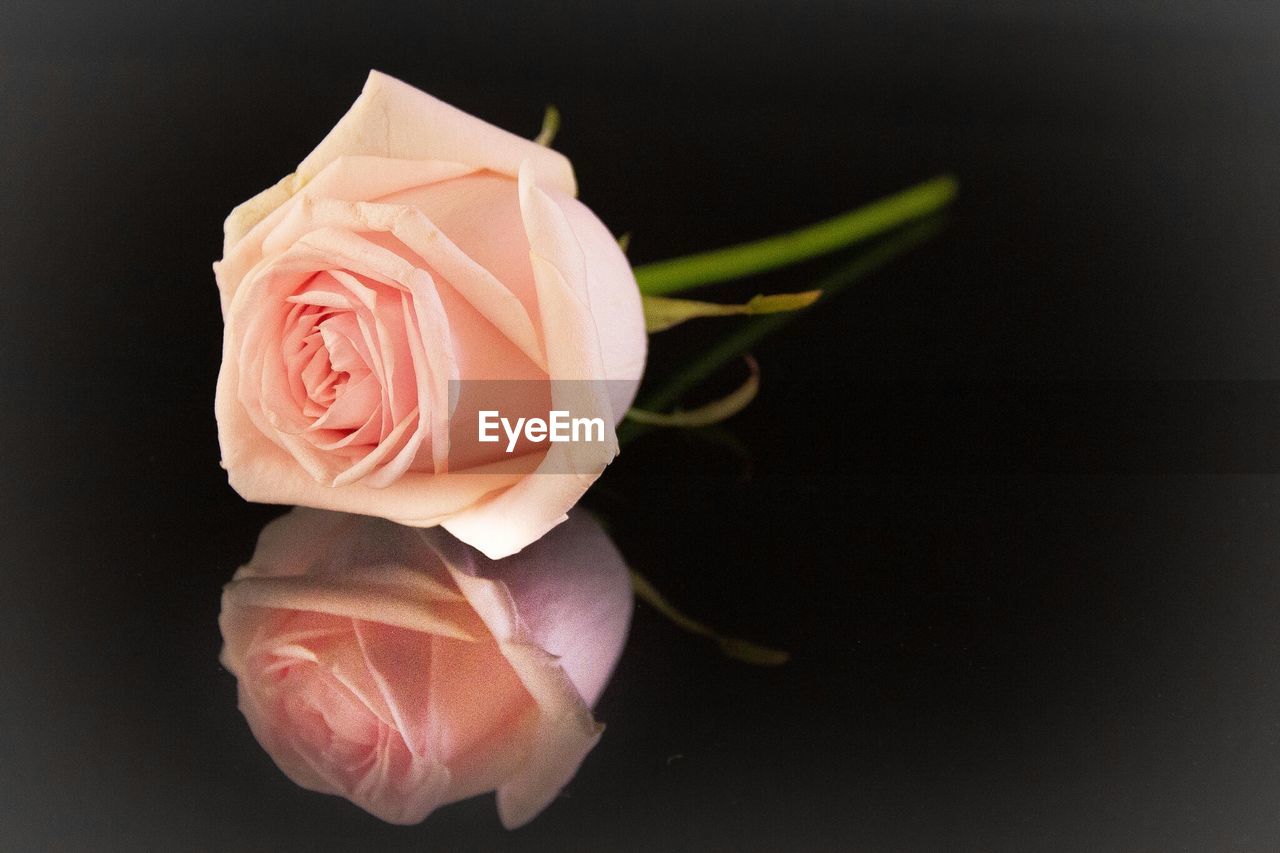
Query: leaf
[663, 312]
[748, 334]
[749, 652]
[734, 647]
[711, 413]
[550, 127]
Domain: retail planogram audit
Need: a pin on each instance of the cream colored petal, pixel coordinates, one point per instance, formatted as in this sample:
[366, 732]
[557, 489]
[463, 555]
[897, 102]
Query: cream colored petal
[354, 598]
[394, 120]
[354, 178]
[615, 303]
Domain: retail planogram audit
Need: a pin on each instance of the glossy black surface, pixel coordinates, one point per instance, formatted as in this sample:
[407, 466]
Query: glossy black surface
[1063, 652]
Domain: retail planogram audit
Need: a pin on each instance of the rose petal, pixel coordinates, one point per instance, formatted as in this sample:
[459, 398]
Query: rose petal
[572, 589]
[505, 523]
[393, 119]
[564, 731]
[353, 178]
[615, 303]
[471, 211]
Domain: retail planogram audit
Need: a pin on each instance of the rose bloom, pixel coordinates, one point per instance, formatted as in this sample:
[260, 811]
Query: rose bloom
[414, 247]
[397, 668]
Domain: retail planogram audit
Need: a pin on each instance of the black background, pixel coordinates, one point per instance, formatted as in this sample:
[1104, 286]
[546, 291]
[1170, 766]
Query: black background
[1069, 654]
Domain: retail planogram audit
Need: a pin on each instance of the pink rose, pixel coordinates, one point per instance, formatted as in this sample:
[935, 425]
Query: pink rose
[395, 667]
[415, 247]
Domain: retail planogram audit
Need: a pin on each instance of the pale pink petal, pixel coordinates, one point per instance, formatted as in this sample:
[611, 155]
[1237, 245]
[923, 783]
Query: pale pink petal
[479, 733]
[430, 328]
[481, 216]
[561, 625]
[353, 178]
[260, 470]
[507, 522]
[394, 120]
[390, 604]
[564, 731]
[488, 296]
[615, 303]
[352, 406]
[258, 304]
[405, 795]
[422, 242]
[398, 665]
[303, 562]
[572, 590]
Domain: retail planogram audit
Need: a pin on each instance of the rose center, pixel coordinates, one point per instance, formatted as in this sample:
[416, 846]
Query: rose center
[327, 356]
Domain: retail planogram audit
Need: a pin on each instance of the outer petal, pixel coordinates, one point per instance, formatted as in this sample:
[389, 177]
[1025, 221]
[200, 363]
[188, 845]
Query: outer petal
[574, 596]
[572, 591]
[303, 562]
[615, 302]
[393, 119]
[352, 178]
[507, 522]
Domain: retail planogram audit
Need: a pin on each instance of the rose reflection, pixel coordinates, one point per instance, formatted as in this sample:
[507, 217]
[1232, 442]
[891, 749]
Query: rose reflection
[402, 670]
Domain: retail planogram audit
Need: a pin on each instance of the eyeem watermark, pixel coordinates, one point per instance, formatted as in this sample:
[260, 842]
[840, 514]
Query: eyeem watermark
[559, 426]
[532, 426]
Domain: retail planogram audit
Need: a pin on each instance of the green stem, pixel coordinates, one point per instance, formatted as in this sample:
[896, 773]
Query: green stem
[746, 259]
[752, 332]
